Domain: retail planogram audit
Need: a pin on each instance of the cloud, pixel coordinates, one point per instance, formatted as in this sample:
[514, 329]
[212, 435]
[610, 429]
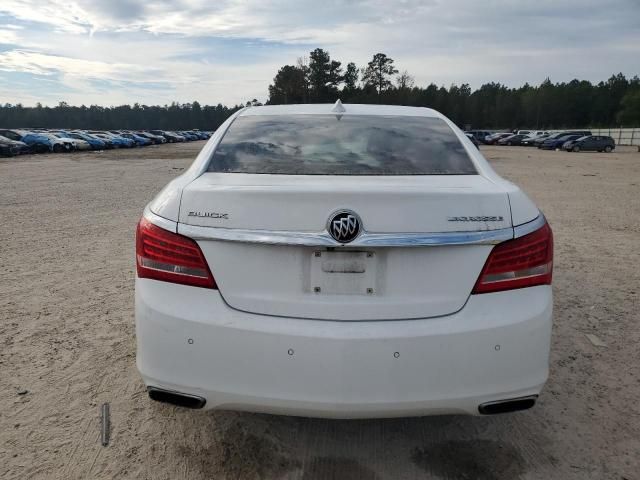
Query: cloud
[229, 50]
[81, 81]
[8, 36]
[40, 64]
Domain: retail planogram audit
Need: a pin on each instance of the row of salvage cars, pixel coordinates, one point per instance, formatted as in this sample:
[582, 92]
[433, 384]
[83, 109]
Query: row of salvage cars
[568, 140]
[18, 141]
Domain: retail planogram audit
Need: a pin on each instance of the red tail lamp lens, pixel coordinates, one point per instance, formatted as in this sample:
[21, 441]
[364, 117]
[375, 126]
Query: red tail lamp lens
[523, 262]
[170, 257]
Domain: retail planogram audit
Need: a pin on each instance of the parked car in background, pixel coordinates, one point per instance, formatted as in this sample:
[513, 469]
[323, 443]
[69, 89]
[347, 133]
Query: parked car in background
[170, 136]
[117, 140]
[197, 135]
[538, 142]
[78, 143]
[201, 135]
[189, 136]
[493, 139]
[95, 142]
[9, 147]
[530, 141]
[40, 142]
[140, 141]
[512, 139]
[180, 138]
[58, 144]
[19, 135]
[536, 133]
[160, 138]
[13, 134]
[156, 139]
[558, 142]
[590, 143]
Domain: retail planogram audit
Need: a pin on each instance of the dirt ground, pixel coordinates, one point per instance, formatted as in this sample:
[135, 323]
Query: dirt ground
[67, 338]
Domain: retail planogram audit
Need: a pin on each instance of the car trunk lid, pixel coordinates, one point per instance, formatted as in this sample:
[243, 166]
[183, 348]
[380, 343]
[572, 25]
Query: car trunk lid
[342, 282]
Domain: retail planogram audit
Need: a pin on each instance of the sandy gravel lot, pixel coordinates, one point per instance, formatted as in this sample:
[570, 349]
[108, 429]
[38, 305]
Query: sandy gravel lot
[67, 337]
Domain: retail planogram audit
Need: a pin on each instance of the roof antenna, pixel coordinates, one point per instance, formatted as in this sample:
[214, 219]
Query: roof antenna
[338, 107]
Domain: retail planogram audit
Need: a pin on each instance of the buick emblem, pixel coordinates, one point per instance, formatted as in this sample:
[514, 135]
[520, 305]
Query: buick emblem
[344, 226]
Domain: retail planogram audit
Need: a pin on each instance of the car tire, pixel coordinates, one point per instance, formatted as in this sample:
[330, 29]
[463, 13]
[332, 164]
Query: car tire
[57, 148]
[608, 149]
[576, 148]
[509, 144]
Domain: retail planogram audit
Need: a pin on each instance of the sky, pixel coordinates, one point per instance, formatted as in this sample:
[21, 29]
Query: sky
[110, 52]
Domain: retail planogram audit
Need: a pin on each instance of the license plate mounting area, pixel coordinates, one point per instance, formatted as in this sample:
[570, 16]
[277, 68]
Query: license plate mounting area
[344, 272]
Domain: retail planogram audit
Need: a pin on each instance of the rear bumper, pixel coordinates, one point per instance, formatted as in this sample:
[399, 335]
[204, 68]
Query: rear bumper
[495, 348]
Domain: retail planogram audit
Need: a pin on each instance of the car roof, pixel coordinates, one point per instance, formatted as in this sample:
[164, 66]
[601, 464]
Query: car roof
[333, 109]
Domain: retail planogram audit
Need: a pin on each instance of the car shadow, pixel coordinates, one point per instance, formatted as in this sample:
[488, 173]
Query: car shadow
[247, 445]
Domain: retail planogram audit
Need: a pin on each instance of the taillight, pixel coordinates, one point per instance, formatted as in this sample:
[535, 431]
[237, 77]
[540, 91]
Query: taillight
[518, 263]
[167, 256]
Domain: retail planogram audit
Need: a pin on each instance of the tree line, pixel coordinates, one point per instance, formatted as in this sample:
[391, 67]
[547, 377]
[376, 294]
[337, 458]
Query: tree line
[578, 103]
[320, 78]
[176, 116]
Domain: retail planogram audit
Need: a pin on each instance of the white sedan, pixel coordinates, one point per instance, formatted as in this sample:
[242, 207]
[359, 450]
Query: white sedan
[344, 261]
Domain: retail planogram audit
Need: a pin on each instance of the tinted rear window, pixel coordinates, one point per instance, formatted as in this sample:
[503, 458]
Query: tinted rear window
[350, 145]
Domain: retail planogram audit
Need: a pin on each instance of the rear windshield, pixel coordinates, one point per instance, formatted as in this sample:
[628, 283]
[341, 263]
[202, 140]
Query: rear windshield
[341, 145]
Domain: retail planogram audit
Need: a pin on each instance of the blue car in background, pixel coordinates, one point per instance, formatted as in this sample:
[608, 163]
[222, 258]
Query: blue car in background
[189, 136]
[95, 142]
[556, 143]
[122, 142]
[40, 142]
[36, 145]
[116, 140]
[140, 141]
[200, 135]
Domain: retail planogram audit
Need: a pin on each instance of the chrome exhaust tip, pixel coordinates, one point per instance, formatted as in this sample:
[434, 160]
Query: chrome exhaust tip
[176, 398]
[506, 406]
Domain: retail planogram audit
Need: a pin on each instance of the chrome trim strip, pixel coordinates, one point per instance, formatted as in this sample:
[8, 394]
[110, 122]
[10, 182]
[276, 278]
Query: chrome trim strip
[366, 239]
[529, 227]
[488, 237]
[160, 221]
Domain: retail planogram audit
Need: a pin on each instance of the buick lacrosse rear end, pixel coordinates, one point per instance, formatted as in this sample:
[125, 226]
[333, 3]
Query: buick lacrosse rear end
[343, 261]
